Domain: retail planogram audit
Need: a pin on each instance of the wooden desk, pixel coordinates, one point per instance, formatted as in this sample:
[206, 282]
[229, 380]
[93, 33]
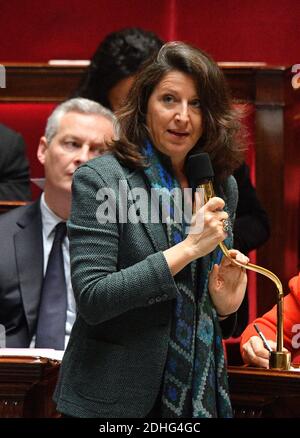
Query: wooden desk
[26, 387]
[260, 393]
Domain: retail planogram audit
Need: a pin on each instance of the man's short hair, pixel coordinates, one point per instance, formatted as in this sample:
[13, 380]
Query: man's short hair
[81, 106]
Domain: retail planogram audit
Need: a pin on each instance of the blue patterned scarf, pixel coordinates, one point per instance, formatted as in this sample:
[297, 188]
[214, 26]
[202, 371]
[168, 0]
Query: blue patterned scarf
[195, 378]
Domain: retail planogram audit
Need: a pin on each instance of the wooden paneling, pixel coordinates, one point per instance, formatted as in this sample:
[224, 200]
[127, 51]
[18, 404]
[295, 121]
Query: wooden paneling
[9, 205]
[39, 82]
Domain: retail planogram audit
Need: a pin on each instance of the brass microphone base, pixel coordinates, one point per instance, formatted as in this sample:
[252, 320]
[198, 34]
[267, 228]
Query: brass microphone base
[280, 360]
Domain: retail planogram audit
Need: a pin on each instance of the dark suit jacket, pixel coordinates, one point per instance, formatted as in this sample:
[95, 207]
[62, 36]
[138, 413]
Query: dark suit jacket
[14, 168]
[251, 226]
[21, 273]
[124, 290]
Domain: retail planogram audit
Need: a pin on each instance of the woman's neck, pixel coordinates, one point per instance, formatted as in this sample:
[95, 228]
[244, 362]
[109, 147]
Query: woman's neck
[181, 176]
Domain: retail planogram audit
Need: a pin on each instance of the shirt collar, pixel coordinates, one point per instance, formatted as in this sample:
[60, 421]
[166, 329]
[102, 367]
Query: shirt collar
[49, 218]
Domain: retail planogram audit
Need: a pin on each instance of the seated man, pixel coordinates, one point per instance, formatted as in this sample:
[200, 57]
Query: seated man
[14, 168]
[76, 131]
[252, 347]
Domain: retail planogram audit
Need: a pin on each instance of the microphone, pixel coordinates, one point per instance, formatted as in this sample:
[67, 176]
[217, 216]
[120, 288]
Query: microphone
[200, 173]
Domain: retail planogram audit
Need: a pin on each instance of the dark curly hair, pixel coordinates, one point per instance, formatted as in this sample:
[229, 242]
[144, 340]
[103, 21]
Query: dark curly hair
[221, 138]
[118, 56]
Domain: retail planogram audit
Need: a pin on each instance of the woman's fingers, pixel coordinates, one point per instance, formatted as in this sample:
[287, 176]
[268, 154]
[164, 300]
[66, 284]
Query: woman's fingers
[254, 353]
[239, 256]
[207, 227]
[209, 219]
[215, 204]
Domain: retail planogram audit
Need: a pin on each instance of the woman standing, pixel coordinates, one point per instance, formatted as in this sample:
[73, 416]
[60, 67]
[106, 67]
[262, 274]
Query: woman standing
[147, 339]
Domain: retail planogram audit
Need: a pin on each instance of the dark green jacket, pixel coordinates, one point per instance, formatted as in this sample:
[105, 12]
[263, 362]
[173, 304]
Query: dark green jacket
[114, 362]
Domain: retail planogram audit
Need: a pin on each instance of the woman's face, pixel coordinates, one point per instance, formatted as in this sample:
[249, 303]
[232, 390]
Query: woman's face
[174, 116]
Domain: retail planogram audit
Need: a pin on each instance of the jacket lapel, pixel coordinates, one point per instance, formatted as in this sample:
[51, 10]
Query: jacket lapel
[29, 256]
[156, 231]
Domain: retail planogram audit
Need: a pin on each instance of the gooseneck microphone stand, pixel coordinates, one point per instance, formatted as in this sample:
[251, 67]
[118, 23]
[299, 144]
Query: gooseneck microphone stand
[201, 174]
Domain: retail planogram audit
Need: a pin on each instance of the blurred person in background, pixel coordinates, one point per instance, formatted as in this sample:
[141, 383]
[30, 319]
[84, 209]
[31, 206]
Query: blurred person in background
[14, 167]
[253, 349]
[31, 307]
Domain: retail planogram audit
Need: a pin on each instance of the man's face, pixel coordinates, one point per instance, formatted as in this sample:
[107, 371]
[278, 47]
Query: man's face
[79, 138]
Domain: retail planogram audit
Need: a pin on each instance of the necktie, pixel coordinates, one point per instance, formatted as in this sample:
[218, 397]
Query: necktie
[50, 331]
